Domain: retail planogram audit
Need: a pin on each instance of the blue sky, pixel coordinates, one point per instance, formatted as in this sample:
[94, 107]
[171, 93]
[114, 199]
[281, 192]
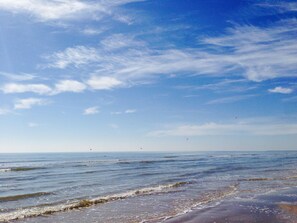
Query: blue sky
[120, 75]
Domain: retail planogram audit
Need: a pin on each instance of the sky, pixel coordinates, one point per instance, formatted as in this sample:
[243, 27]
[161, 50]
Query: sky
[149, 75]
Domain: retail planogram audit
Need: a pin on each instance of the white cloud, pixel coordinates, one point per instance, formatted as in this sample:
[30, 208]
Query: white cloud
[129, 111]
[103, 83]
[48, 9]
[92, 31]
[251, 47]
[249, 55]
[91, 111]
[51, 10]
[28, 103]
[22, 88]
[76, 56]
[230, 99]
[229, 129]
[280, 6]
[118, 41]
[61, 12]
[69, 86]
[18, 77]
[281, 90]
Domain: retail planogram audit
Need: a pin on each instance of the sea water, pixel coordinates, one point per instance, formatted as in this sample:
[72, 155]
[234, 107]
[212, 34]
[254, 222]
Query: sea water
[134, 187]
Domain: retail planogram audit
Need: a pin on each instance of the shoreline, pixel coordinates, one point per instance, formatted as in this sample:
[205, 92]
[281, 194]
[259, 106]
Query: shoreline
[275, 207]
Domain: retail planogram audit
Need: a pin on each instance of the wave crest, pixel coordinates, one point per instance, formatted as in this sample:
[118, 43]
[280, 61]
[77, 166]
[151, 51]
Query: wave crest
[46, 210]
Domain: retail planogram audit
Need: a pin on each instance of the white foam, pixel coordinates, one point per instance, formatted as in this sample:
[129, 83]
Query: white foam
[45, 210]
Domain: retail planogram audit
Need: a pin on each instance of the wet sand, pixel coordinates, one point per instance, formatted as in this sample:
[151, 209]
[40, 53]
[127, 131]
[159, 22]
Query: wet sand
[277, 207]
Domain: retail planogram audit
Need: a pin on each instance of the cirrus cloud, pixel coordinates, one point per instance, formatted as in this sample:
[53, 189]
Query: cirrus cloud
[213, 128]
[53, 10]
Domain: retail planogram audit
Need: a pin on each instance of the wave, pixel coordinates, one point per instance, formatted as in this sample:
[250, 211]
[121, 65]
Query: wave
[47, 210]
[292, 177]
[205, 200]
[257, 179]
[23, 196]
[18, 169]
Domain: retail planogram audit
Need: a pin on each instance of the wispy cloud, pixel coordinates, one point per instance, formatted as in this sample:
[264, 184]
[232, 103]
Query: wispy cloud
[103, 82]
[281, 90]
[76, 56]
[22, 88]
[250, 50]
[230, 99]
[52, 10]
[129, 111]
[17, 77]
[91, 111]
[229, 129]
[69, 86]
[132, 61]
[225, 85]
[280, 6]
[92, 31]
[49, 9]
[118, 41]
[28, 103]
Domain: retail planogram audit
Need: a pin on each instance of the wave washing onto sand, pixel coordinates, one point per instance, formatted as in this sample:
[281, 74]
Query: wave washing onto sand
[47, 210]
[202, 202]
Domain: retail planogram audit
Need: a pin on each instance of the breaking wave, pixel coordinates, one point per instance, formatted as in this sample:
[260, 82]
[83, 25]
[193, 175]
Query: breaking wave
[50, 209]
[23, 196]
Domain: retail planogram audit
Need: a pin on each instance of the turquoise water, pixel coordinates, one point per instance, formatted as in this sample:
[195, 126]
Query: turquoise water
[134, 187]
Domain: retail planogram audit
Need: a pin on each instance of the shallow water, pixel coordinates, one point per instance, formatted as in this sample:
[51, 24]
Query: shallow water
[134, 187]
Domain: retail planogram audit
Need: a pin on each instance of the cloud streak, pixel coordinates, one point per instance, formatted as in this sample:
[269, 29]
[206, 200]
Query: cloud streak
[281, 90]
[28, 103]
[231, 99]
[53, 10]
[76, 56]
[22, 88]
[228, 129]
[132, 61]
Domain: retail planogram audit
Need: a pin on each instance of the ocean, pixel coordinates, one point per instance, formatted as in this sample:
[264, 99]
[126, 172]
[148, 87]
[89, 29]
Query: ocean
[136, 187]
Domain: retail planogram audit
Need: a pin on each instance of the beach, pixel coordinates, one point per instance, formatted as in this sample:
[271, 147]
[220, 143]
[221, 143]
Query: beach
[202, 187]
